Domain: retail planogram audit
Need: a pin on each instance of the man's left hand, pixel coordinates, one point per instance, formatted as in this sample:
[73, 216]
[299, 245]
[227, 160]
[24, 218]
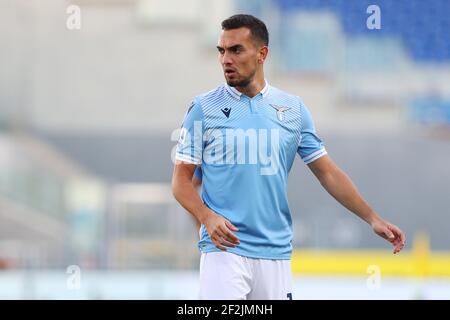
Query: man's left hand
[391, 233]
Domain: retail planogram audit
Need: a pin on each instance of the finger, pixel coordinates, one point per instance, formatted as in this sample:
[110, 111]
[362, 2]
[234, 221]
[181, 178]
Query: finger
[221, 247]
[400, 234]
[226, 241]
[217, 243]
[398, 247]
[390, 236]
[229, 240]
[398, 242]
[222, 241]
[401, 245]
[231, 226]
[229, 236]
[394, 229]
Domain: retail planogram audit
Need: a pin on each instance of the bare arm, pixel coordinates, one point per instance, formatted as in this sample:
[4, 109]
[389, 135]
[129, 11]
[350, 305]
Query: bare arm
[219, 229]
[197, 184]
[339, 185]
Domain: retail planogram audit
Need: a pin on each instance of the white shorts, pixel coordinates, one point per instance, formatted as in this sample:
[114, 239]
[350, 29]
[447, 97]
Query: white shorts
[228, 276]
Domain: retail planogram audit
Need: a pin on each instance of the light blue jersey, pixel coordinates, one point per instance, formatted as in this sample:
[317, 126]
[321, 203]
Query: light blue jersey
[246, 147]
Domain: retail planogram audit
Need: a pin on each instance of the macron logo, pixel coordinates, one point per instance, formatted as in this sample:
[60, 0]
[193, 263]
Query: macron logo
[226, 112]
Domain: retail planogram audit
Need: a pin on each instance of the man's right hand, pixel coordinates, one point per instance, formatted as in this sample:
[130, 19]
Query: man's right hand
[219, 230]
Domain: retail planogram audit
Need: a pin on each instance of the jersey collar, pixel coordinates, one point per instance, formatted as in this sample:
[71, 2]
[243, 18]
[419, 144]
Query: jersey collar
[237, 94]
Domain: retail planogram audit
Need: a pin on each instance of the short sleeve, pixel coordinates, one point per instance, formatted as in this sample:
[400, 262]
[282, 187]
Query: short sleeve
[310, 147]
[190, 143]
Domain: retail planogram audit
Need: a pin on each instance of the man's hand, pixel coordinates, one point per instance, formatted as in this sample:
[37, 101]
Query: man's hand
[219, 230]
[339, 185]
[391, 233]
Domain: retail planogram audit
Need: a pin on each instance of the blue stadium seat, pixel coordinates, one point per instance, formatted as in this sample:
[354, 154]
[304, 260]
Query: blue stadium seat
[424, 26]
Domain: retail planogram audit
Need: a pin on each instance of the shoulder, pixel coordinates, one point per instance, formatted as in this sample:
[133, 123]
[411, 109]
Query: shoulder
[290, 100]
[197, 104]
[285, 97]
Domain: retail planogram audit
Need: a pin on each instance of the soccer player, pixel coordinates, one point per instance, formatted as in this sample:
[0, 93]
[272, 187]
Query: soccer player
[244, 135]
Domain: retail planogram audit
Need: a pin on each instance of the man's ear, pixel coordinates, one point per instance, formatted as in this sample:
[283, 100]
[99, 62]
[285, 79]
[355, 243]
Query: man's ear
[263, 51]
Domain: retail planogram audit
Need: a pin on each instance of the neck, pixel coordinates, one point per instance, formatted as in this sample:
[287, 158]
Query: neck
[254, 87]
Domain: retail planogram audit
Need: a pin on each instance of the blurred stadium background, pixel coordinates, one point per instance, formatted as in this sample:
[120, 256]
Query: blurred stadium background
[88, 123]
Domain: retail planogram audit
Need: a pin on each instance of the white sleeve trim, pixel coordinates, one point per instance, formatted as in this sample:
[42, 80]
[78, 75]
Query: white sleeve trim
[314, 156]
[185, 158]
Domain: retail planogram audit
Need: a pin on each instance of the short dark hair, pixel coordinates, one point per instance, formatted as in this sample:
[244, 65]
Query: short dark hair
[257, 28]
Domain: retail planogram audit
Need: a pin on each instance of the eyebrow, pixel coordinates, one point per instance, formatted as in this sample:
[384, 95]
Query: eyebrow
[234, 47]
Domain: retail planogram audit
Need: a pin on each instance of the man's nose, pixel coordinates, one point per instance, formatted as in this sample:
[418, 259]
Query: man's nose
[226, 59]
